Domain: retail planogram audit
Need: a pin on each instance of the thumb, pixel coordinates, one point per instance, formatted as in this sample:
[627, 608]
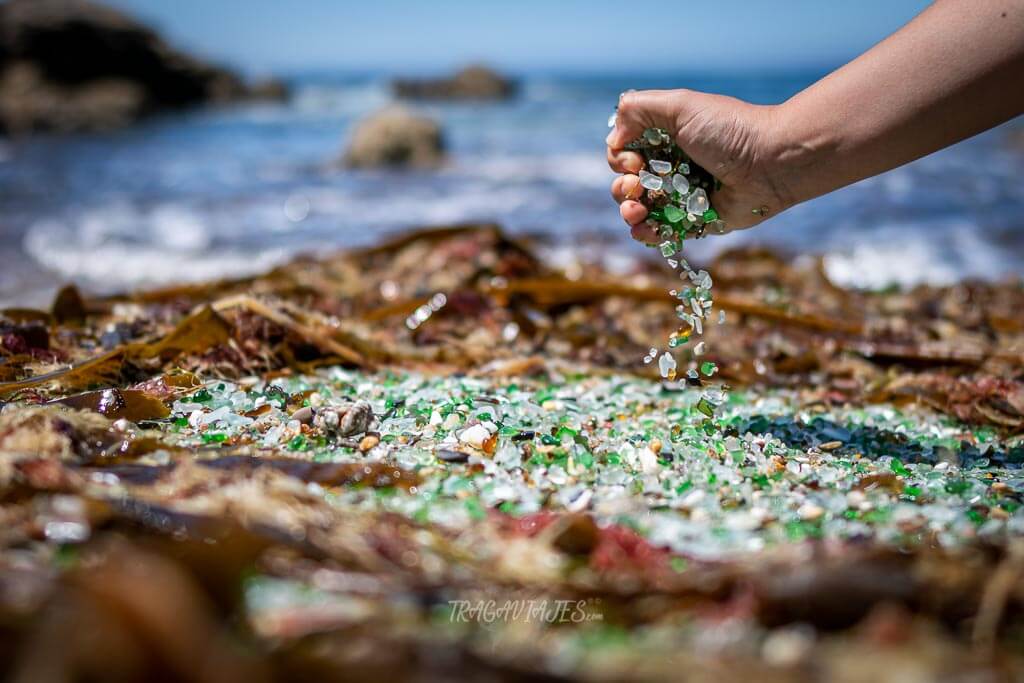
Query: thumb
[640, 110]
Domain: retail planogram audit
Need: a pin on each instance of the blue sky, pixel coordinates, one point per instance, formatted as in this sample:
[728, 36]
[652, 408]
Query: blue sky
[264, 36]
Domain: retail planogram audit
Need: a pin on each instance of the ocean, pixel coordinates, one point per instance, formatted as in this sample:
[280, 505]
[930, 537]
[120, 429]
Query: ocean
[229, 191]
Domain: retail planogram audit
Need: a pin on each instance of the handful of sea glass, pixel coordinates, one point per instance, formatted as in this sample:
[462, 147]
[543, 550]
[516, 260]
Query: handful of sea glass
[676, 189]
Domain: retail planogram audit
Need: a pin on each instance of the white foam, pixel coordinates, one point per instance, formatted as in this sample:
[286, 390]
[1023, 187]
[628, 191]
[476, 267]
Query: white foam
[581, 170]
[941, 253]
[118, 248]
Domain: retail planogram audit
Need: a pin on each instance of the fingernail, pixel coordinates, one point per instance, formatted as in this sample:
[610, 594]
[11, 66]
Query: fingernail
[611, 136]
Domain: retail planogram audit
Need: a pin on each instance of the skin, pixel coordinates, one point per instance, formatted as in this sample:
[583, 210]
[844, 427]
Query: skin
[955, 70]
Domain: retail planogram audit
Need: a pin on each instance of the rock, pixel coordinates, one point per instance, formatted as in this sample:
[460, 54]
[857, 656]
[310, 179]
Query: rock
[73, 65]
[448, 455]
[471, 83]
[30, 103]
[344, 420]
[475, 436]
[269, 89]
[395, 137]
[368, 442]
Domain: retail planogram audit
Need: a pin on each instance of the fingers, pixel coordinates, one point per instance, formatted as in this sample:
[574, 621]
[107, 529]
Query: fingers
[626, 187]
[625, 162]
[633, 212]
[639, 110]
[642, 232]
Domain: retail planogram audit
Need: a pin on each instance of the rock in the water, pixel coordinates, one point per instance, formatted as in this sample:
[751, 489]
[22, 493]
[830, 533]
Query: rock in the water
[395, 137]
[270, 89]
[471, 83]
[72, 65]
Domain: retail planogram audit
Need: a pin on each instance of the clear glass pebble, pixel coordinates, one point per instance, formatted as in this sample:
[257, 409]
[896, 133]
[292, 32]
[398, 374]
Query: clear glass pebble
[650, 181]
[697, 202]
[510, 331]
[680, 184]
[660, 167]
[652, 136]
[666, 364]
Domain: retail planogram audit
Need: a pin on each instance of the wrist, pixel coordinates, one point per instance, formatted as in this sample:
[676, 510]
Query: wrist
[798, 151]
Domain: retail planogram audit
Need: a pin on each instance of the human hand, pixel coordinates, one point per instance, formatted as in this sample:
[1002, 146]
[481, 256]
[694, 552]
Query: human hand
[735, 141]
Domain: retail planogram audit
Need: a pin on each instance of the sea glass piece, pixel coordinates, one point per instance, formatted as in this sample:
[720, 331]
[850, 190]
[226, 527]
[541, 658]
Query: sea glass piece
[650, 181]
[666, 364]
[673, 214]
[697, 202]
[660, 166]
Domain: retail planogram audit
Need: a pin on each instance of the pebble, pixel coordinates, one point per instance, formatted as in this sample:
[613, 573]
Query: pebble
[650, 181]
[368, 442]
[666, 364]
[660, 167]
[448, 455]
[475, 436]
[697, 202]
[787, 646]
[810, 512]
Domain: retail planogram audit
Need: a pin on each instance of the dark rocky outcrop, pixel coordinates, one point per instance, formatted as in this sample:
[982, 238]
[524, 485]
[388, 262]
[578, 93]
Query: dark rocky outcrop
[395, 137]
[68, 65]
[471, 83]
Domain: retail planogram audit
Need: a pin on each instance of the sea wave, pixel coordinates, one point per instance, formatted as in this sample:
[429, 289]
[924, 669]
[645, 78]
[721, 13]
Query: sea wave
[119, 248]
[225, 192]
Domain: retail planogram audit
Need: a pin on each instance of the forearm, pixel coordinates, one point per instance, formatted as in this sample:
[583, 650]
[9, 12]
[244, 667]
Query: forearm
[954, 71]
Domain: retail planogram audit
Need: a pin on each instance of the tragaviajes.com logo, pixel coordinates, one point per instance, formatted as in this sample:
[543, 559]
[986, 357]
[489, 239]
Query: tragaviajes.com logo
[546, 611]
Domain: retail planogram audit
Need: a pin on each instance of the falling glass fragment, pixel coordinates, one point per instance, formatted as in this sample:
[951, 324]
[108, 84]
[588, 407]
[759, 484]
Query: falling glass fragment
[666, 364]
